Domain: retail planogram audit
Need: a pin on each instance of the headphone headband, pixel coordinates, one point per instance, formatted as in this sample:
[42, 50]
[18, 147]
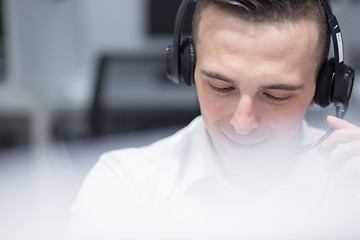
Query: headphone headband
[335, 33]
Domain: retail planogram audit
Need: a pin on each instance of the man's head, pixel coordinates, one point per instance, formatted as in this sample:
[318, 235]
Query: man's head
[255, 74]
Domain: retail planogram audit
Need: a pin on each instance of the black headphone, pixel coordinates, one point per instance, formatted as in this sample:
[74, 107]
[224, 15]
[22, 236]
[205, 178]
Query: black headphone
[334, 82]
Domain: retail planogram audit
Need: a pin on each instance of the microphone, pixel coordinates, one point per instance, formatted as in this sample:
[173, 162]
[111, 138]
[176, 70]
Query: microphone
[340, 113]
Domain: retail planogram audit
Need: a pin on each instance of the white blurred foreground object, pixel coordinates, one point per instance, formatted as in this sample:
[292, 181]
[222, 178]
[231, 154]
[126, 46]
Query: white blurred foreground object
[171, 189]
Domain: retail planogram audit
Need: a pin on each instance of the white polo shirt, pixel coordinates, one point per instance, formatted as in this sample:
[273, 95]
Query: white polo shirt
[177, 187]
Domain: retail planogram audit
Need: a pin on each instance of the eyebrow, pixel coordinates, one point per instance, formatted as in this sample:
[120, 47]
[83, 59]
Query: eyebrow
[280, 86]
[218, 77]
[287, 87]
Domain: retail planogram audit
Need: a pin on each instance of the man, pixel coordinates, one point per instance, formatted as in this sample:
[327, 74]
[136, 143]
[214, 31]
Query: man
[234, 171]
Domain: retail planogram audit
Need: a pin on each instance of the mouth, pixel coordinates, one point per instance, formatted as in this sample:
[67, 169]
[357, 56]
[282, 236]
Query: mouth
[245, 142]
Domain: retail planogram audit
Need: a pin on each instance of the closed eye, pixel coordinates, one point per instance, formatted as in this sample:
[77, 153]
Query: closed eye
[275, 98]
[222, 90]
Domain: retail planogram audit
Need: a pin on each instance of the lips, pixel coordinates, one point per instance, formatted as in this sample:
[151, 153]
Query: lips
[245, 141]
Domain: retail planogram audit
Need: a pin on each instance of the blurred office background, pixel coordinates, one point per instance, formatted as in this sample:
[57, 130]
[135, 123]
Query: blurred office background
[81, 77]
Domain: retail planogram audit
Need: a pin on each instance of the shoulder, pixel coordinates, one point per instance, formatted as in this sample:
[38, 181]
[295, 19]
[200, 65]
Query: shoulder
[166, 148]
[126, 169]
[158, 159]
[122, 180]
[165, 151]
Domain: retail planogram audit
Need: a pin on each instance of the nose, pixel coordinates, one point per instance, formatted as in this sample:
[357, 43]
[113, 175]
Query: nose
[244, 118]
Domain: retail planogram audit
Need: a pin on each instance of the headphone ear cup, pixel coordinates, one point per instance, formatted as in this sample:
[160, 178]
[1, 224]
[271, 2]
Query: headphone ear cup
[188, 60]
[324, 94]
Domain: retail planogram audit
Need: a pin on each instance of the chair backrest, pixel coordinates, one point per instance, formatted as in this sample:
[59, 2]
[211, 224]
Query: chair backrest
[132, 92]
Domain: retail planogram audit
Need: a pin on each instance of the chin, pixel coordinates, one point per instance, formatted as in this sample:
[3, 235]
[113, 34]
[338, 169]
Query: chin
[241, 152]
[262, 151]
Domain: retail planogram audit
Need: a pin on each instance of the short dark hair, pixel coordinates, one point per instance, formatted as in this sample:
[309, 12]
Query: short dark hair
[260, 11]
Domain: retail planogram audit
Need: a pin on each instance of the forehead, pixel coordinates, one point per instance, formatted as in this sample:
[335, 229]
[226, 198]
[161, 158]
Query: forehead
[228, 41]
[212, 14]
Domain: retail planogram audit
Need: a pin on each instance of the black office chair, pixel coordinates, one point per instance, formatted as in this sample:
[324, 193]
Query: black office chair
[132, 93]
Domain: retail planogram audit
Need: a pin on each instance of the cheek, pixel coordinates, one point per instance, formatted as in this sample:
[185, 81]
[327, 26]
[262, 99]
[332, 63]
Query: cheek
[288, 120]
[214, 110]
[211, 109]
[290, 117]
